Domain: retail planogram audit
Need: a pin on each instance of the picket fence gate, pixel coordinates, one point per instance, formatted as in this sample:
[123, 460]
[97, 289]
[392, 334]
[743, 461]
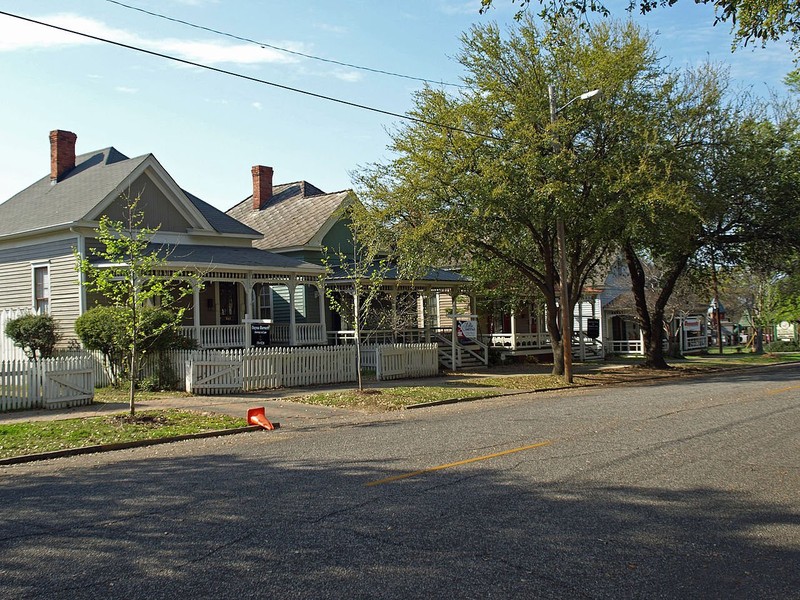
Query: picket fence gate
[399, 361]
[48, 383]
[227, 371]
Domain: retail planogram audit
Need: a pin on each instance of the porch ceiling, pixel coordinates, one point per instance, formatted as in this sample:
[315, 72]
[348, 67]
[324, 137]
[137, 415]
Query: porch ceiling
[391, 276]
[222, 257]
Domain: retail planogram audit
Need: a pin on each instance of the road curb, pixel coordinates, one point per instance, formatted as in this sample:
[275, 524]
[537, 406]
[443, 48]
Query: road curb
[15, 460]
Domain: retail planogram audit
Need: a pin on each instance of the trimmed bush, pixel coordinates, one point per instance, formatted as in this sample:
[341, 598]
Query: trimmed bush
[37, 335]
[782, 346]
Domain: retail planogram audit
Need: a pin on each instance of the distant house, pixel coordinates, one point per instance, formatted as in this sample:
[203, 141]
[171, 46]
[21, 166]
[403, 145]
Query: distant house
[41, 227]
[621, 331]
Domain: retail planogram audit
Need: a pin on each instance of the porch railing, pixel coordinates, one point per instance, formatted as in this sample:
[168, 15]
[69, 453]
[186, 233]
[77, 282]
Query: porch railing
[377, 336]
[233, 336]
[624, 346]
[629, 346]
[696, 343]
[217, 336]
[519, 341]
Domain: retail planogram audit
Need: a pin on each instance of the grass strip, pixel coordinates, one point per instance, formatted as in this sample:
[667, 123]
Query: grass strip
[34, 437]
[382, 399]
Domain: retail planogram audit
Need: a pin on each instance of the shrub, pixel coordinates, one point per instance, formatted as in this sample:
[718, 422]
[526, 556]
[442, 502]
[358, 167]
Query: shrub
[782, 346]
[37, 335]
[104, 328]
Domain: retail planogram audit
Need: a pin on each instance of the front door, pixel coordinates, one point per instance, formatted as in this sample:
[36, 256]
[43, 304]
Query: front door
[228, 304]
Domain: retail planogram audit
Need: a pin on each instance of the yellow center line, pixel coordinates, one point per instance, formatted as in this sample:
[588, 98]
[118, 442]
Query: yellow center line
[456, 464]
[781, 390]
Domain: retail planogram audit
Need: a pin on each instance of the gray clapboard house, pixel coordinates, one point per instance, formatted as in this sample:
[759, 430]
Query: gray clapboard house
[43, 225]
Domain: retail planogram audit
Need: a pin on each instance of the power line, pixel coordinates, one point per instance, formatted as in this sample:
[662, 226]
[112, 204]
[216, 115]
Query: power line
[286, 50]
[254, 79]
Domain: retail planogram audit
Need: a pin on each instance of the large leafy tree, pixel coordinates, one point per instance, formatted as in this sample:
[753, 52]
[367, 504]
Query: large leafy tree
[759, 21]
[485, 188]
[725, 186]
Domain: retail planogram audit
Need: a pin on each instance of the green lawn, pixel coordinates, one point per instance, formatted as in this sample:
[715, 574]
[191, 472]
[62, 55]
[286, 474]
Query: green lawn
[17, 439]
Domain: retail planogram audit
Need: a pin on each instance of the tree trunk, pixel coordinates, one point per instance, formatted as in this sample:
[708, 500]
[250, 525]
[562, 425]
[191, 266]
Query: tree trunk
[654, 347]
[553, 327]
[652, 324]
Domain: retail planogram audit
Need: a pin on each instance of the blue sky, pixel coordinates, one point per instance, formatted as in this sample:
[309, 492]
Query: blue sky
[208, 129]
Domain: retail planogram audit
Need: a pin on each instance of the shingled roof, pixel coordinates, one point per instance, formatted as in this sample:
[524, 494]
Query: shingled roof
[44, 205]
[294, 215]
[96, 174]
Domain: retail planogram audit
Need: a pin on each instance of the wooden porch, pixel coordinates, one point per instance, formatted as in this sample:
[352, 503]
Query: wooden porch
[219, 311]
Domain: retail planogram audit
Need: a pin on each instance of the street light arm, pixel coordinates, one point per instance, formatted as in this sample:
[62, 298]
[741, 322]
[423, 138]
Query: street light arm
[583, 96]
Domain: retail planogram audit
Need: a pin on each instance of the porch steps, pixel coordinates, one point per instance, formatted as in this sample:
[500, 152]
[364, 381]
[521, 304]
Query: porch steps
[468, 355]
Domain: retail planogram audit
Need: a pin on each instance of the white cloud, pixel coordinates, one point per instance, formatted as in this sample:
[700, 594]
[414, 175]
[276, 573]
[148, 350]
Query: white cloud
[126, 90]
[338, 29]
[349, 76]
[257, 105]
[21, 35]
[470, 7]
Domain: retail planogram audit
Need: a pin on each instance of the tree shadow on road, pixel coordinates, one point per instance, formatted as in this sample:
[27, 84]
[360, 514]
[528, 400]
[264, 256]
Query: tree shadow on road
[239, 524]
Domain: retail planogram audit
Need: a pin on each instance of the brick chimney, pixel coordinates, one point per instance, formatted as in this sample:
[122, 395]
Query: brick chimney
[262, 186]
[62, 154]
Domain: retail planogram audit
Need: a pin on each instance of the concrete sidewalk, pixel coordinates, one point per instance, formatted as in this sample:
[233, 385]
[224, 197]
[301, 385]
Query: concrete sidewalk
[294, 414]
[275, 402]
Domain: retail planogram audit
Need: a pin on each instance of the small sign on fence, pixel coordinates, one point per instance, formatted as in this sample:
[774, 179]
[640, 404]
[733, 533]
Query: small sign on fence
[259, 335]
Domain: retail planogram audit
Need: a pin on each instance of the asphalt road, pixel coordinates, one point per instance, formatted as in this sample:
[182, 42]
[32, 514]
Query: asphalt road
[684, 489]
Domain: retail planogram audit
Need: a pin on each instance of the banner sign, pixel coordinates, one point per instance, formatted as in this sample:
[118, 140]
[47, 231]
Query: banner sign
[467, 330]
[593, 328]
[691, 324]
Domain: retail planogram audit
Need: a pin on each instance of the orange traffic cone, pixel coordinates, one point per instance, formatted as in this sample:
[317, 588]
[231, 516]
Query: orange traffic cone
[256, 416]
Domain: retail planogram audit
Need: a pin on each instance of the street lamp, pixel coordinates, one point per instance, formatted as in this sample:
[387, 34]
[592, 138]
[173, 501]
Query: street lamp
[566, 317]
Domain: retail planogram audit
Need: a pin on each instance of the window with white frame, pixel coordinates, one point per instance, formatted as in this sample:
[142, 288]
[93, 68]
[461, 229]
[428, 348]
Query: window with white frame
[262, 301]
[41, 288]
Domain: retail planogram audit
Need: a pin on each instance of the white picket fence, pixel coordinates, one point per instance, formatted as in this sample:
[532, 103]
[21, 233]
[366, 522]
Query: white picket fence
[399, 361]
[8, 351]
[149, 367]
[49, 383]
[220, 372]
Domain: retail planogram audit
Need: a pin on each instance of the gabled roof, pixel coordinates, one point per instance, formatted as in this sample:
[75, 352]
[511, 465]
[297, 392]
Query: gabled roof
[44, 205]
[297, 215]
[96, 176]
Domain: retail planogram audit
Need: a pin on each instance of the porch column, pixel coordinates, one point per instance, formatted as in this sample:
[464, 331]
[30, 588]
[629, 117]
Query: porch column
[641, 338]
[581, 345]
[322, 319]
[292, 286]
[513, 329]
[247, 285]
[454, 332]
[249, 306]
[218, 308]
[427, 317]
[395, 325]
[601, 326]
[196, 311]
